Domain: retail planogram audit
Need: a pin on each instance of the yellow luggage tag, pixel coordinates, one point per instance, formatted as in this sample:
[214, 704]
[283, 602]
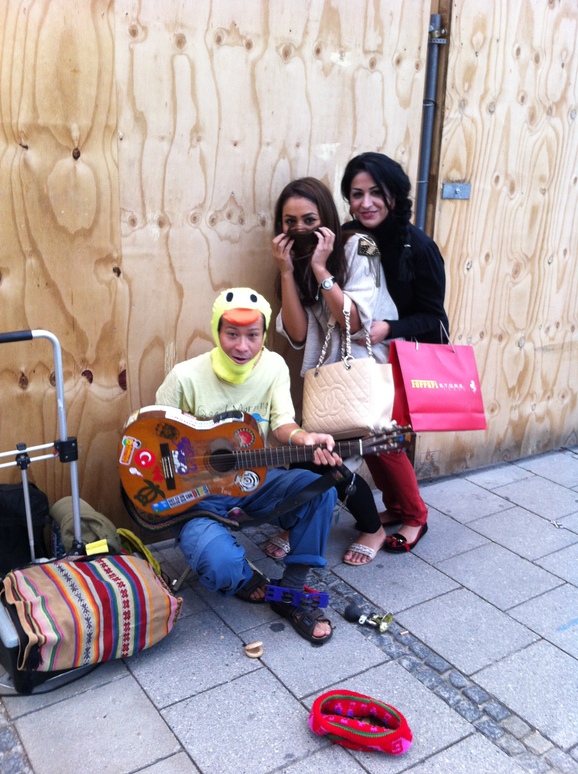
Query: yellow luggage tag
[98, 547]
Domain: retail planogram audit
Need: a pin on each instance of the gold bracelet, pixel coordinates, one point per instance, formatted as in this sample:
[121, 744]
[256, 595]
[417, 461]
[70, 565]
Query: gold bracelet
[292, 433]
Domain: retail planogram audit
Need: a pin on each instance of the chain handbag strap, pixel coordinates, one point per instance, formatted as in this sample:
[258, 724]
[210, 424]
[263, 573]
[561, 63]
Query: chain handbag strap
[323, 353]
[346, 355]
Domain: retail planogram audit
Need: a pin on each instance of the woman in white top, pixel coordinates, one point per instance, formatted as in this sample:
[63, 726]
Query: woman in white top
[316, 267]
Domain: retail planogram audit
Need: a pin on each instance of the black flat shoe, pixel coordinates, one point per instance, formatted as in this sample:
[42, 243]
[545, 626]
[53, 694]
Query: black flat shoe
[397, 544]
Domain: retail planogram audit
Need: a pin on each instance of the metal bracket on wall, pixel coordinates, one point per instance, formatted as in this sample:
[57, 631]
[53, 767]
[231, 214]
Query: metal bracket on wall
[456, 190]
[437, 36]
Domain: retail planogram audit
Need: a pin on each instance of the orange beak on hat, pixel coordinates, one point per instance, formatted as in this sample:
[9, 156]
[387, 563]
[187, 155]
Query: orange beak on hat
[242, 316]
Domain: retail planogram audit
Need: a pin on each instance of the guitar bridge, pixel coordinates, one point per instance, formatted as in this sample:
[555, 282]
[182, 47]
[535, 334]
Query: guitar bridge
[168, 466]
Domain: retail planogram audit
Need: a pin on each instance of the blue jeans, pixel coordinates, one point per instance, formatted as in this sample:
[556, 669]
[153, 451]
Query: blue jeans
[218, 559]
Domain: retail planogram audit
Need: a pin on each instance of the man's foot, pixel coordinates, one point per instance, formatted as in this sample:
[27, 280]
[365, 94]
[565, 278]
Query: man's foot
[254, 589]
[312, 624]
[278, 546]
[366, 547]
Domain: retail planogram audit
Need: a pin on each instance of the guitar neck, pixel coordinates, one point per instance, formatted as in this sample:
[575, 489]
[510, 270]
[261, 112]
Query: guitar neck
[274, 456]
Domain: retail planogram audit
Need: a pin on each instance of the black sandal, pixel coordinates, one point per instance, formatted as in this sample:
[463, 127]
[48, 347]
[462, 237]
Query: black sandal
[303, 620]
[256, 581]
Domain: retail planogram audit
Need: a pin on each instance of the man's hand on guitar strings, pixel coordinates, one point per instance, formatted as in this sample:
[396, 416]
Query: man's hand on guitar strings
[324, 445]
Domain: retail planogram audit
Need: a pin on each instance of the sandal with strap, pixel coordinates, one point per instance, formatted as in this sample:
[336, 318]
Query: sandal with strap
[278, 542]
[359, 548]
[256, 581]
[303, 621]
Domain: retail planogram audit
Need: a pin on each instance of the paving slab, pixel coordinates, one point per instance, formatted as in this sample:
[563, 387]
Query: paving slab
[198, 654]
[483, 690]
[331, 759]
[496, 475]
[394, 582]
[457, 538]
[171, 559]
[433, 723]
[250, 725]
[176, 764]
[17, 706]
[474, 754]
[570, 522]
[461, 499]
[563, 563]
[499, 576]
[541, 496]
[304, 668]
[193, 603]
[554, 616]
[465, 630]
[540, 684]
[524, 533]
[112, 729]
[558, 466]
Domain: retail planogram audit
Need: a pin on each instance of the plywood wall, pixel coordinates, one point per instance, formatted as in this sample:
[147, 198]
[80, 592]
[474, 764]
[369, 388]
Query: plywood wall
[60, 257]
[510, 130]
[220, 105]
[143, 146]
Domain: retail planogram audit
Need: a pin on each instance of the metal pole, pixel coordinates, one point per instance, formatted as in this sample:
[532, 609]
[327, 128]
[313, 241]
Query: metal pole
[59, 382]
[428, 115]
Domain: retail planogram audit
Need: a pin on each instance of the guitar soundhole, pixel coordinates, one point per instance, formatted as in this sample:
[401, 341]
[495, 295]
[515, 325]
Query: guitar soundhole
[222, 461]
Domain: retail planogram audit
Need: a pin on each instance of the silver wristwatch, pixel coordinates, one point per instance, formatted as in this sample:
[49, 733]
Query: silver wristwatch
[327, 283]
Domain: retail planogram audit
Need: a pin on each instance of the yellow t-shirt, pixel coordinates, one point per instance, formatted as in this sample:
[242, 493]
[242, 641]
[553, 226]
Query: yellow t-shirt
[194, 387]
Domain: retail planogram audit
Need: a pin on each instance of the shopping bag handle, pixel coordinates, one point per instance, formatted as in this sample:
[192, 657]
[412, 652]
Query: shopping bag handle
[443, 328]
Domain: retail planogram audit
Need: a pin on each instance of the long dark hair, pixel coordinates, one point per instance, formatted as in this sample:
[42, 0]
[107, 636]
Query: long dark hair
[318, 194]
[392, 181]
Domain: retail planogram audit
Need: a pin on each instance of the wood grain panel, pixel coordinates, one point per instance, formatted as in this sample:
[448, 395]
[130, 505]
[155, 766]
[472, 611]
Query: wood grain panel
[60, 263]
[220, 105]
[510, 131]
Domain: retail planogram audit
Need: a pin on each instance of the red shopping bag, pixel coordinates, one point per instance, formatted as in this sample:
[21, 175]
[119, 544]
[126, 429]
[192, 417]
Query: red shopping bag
[437, 387]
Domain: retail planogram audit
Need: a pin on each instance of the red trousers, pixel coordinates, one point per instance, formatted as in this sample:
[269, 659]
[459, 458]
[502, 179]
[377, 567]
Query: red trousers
[394, 476]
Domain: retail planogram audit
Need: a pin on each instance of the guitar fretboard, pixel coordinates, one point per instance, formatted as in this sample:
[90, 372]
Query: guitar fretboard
[275, 456]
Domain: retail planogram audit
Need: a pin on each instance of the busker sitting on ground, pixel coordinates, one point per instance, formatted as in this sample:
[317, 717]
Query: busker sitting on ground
[241, 374]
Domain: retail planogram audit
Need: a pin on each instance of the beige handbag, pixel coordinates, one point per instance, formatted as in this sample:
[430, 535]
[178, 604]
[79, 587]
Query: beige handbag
[350, 398]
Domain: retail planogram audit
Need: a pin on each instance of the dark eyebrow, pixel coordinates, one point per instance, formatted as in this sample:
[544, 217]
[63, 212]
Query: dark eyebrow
[371, 188]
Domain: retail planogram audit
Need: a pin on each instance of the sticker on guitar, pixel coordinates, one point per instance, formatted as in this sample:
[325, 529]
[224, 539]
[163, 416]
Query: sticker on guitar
[248, 481]
[186, 498]
[129, 445]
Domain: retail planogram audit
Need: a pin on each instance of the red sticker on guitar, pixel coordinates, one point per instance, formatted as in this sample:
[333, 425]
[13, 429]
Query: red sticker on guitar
[145, 458]
[244, 437]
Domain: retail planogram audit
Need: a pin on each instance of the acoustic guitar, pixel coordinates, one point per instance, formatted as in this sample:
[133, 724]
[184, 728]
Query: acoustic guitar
[169, 460]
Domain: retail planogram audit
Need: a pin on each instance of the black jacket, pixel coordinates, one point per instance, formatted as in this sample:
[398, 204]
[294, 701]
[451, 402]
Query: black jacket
[419, 301]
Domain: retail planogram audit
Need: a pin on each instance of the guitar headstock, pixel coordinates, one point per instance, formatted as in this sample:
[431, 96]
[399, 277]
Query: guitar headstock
[399, 437]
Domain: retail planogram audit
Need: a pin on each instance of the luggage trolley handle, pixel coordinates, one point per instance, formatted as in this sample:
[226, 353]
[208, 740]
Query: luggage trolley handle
[66, 447]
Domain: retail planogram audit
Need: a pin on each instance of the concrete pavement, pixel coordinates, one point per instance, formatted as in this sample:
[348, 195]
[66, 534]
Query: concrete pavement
[481, 658]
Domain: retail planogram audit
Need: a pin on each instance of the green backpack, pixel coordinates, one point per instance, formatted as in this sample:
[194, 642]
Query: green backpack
[94, 525]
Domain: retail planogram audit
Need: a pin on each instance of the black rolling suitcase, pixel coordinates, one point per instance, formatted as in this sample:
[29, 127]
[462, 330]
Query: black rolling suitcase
[15, 681]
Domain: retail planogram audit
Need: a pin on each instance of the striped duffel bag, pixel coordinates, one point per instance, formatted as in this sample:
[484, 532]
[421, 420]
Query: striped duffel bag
[78, 611]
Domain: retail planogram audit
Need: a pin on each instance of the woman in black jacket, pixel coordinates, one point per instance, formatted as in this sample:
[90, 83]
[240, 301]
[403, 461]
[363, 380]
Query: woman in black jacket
[377, 190]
